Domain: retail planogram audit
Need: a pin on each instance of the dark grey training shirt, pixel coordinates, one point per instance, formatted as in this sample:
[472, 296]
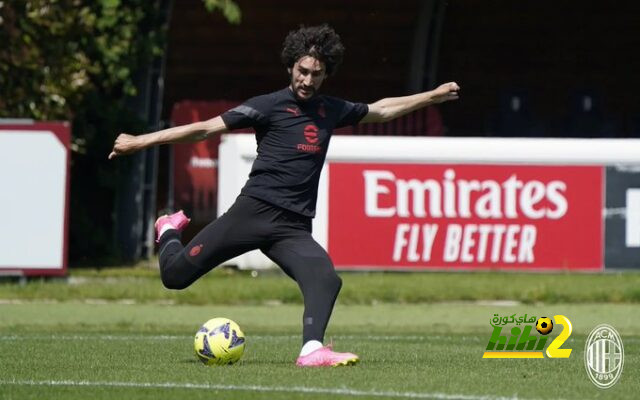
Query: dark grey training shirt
[293, 137]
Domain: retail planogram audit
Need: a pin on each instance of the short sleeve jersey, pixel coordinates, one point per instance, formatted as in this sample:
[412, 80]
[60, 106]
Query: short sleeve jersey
[293, 137]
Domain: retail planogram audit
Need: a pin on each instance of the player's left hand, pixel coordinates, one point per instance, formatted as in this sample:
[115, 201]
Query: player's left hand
[446, 92]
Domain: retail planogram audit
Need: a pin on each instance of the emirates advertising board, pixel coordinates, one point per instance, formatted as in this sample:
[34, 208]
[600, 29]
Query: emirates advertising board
[420, 216]
[417, 203]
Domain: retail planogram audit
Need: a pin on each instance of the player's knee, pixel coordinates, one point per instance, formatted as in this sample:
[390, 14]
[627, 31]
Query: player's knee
[337, 284]
[173, 281]
[332, 282]
[178, 273]
[172, 284]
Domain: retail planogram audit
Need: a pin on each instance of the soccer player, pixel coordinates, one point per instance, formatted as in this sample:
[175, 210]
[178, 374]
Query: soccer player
[274, 209]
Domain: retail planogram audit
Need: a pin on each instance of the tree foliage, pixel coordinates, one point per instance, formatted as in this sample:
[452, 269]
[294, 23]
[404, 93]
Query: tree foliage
[229, 9]
[55, 51]
[77, 60]
[58, 51]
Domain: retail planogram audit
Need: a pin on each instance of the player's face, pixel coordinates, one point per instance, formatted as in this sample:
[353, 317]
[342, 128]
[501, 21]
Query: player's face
[307, 76]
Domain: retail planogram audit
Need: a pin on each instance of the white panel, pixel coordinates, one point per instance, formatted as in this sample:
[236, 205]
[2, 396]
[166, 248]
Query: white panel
[632, 237]
[321, 221]
[236, 155]
[412, 149]
[33, 169]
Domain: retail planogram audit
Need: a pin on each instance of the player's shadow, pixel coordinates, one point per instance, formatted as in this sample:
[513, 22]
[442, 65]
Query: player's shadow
[189, 361]
[267, 362]
[245, 362]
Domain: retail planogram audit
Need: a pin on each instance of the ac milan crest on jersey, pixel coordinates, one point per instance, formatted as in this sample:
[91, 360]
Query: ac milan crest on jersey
[311, 134]
[195, 250]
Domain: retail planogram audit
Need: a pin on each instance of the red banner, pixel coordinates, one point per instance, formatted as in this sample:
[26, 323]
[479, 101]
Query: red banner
[415, 216]
[195, 165]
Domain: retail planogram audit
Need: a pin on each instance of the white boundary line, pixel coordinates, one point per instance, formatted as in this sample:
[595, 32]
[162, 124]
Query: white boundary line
[257, 388]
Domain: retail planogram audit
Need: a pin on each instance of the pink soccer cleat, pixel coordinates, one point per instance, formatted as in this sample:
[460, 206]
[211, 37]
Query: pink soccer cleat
[177, 221]
[325, 357]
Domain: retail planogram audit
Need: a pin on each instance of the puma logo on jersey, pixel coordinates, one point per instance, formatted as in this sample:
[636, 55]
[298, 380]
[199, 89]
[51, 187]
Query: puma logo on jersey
[293, 111]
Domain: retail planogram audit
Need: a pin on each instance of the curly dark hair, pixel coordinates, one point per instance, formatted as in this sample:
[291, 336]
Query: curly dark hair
[320, 42]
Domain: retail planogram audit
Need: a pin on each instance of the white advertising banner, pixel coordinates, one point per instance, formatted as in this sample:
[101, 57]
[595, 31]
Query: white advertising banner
[34, 180]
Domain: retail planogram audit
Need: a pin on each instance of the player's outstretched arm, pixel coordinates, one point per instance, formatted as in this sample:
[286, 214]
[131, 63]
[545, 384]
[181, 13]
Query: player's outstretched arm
[197, 131]
[393, 107]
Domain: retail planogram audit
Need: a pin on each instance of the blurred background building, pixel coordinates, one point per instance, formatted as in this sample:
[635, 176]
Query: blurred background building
[554, 55]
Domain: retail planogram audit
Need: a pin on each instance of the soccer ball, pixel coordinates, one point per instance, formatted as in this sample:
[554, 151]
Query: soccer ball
[544, 325]
[219, 341]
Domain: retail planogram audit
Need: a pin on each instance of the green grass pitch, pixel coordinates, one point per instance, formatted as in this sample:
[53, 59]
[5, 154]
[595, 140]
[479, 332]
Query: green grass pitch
[104, 350]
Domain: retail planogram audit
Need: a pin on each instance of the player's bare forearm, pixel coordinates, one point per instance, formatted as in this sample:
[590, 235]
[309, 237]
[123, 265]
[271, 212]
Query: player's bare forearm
[194, 132]
[394, 107]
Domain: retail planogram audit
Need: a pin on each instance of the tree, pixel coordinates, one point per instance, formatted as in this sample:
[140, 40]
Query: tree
[77, 60]
[56, 51]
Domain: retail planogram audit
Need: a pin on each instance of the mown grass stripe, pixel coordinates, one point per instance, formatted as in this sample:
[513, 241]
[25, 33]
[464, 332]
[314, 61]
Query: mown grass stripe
[259, 388]
[253, 337]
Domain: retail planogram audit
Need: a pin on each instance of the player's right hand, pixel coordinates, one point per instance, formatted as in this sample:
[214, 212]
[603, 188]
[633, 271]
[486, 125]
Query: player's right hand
[124, 144]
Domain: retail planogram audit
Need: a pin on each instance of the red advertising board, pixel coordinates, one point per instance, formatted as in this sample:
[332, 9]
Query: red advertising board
[417, 216]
